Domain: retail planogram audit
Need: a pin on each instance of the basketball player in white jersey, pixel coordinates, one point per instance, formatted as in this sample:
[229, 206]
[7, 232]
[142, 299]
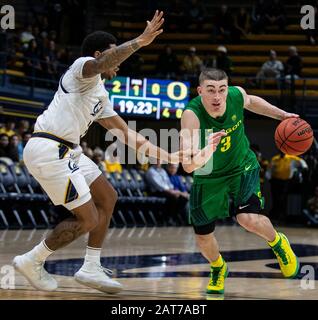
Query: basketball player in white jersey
[55, 159]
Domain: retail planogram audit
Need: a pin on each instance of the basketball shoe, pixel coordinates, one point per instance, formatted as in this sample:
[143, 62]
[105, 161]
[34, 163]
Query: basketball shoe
[218, 275]
[95, 276]
[34, 272]
[288, 261]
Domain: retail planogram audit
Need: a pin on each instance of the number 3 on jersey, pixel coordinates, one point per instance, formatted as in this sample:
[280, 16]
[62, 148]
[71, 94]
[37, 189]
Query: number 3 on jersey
[226, 143]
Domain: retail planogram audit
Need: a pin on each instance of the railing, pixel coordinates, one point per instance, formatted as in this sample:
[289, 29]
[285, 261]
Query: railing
[29, 78]
[30, 83]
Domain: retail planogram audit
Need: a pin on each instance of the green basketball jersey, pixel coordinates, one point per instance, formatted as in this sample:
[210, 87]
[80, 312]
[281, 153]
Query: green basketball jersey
[233, 155]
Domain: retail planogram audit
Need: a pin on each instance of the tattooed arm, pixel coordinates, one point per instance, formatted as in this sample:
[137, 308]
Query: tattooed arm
[119, 128]
[114, 56]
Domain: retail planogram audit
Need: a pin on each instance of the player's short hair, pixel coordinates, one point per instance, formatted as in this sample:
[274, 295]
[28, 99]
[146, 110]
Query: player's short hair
[212, 74]
[97, 41]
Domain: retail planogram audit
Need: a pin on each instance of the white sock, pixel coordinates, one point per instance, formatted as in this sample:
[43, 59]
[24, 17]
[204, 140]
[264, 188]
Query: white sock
[40, 252]
[92, 255]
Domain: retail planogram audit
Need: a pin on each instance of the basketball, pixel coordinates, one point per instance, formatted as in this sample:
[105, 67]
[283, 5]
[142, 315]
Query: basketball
[294, 136]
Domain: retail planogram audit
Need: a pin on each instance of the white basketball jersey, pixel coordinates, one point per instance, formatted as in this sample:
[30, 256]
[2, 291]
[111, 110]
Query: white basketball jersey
[76, 104]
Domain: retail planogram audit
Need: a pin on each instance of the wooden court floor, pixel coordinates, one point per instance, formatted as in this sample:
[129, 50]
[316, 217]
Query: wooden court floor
[164, 263]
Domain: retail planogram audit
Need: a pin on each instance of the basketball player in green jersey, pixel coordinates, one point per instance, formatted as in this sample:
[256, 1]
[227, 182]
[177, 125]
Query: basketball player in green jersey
[230, 170]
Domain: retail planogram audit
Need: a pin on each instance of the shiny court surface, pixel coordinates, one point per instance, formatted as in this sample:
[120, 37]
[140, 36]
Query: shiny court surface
[164, 263]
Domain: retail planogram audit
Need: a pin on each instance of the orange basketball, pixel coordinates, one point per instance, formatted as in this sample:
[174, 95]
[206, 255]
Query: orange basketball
[294, 136]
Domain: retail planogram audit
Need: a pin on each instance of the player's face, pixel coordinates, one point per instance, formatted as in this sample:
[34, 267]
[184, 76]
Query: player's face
[110, 73]
[213, 95]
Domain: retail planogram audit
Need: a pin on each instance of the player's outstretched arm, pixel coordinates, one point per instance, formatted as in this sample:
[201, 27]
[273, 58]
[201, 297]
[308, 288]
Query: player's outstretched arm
[260, 106]
[114, 56]
[190, 140]
[119, 128]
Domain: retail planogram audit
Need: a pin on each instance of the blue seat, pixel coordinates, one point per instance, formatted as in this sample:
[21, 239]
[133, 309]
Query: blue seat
[8, 183]
[22, 182]
[36, 190]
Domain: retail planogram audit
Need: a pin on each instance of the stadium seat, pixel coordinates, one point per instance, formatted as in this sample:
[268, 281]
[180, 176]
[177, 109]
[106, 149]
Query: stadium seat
[134, 207]
[16, 195]
[8, 183]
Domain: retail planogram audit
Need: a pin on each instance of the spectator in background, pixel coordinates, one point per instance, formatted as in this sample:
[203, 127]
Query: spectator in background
[26, 136]
[89, 153]
[272, 68]
[50, 58]
[311, 158]
[241, 25]
[196, 13]
[175, 179]
[8, 129]
[4, 145]
[52, 36]
[27, 36]
[191, 64]
[37, 36]
[44, 23]
[98, 158]
[65, 58]
[167, 64]
[159, 181]
[264, 164]
[312, 204]
[86, 150]
[223, 25]
[275, 15]
[112, 159]
[221, 61]
[13, 151]
[258, 16]
[32, 65]
[160, 185]
[293, 64]
[23, 126]
[282, 169]
[13, 46]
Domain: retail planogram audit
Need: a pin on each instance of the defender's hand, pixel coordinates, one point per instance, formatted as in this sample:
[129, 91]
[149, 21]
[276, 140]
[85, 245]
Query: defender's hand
[180, 156]
[152, 30]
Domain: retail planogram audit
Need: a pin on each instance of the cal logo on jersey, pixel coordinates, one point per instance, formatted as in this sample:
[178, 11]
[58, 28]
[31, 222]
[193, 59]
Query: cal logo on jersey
[72, 165]
[96, 108]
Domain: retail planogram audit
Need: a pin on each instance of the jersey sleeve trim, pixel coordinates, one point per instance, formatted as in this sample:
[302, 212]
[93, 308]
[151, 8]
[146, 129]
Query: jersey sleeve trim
[238, 94]
[78, 65]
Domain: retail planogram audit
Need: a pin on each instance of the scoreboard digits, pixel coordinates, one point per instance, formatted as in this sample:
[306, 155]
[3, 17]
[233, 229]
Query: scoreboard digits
[148, 97]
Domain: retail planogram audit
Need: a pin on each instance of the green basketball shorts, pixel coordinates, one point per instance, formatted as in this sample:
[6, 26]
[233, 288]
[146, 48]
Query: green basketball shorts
[209, 201]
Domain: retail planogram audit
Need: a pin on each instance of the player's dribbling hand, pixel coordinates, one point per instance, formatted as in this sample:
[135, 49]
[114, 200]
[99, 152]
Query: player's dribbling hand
[215, 138]
[287, 115]
[152, 30]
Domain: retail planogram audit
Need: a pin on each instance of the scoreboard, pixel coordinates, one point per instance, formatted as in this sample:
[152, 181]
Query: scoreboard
[153, 98]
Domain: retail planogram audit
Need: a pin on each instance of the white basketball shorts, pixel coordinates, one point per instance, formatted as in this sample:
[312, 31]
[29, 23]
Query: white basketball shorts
[64, 173]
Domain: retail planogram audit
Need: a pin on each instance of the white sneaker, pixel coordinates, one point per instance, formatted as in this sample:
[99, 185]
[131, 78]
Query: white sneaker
[95, 276]
[34, 272]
